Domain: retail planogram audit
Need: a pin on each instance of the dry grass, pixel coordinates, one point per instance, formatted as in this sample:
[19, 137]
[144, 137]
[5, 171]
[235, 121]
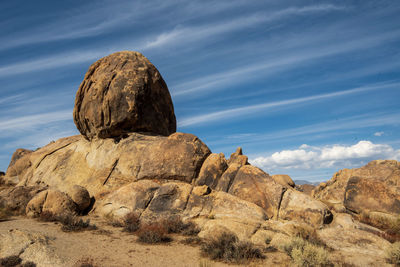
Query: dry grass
[192, 241]
[153, 233]
[70, 222]
[228, 248]
[174, 224]
[305, 253]
[85, 262]
[393, 254]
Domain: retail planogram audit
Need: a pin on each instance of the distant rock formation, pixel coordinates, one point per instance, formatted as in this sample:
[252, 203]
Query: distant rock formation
[373, 189]
[123, 93]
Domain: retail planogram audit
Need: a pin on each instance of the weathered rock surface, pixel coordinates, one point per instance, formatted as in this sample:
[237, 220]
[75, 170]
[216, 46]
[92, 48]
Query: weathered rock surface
[238, 158]
[284, 180]
[104, 166]
[30, 247]
[20, 162]
[374, 187]
[16, 198]
[256, 186]
[123, 93]
[296, 206]
[53, 201]
[213, 167]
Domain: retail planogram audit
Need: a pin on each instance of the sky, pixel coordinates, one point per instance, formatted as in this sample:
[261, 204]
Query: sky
[306, 88]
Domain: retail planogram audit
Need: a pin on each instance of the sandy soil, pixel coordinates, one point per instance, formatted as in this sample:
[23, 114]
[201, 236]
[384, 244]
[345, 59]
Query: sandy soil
[109, 246]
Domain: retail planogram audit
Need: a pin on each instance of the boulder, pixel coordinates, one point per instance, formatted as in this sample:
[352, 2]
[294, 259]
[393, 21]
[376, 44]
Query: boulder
[53, 201]
[80, 196]
[213, 167]
[284, 180]
[122, 93]
[364, 195]
[254, 185]
[374, 187]
[296, 206]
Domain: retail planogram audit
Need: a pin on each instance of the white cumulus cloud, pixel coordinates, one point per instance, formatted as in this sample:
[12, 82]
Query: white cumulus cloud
[340, 156]
[379, 133]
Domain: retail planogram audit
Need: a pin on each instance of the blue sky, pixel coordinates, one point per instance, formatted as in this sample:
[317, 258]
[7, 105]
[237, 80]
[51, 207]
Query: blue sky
[305, 87]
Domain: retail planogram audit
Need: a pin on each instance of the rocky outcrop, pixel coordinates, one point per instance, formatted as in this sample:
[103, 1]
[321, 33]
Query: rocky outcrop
[80, 196]
[123, 93]
[20, 162]
[374, 187]
[16, 198]
[103, 165]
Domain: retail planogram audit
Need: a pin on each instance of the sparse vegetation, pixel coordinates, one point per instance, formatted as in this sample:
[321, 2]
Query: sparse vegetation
[309, 234]
[228, 248]
[70, 222]
[174, 224]
[393, 254]
[304, 253]
[131, 222]
[10, 261]
[15, 261]
[85, 262]
[192, 241]
[153, 233]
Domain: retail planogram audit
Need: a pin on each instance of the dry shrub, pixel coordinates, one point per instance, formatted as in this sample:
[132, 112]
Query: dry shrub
[228, 248]
[393, 254]
[131, 222]
[85, 262]
[174, 224]
[153, 233]
[309, 234]
[71, 223]
[10, 261]
[305, 253]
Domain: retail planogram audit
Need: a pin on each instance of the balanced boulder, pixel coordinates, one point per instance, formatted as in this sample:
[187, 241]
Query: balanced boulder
[123, 93]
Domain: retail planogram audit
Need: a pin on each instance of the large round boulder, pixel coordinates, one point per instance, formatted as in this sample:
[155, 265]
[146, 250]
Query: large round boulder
[123, 93]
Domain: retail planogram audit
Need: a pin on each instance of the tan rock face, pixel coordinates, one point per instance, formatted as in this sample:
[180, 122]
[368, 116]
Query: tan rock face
[256, 186]
[213, 167]
[20, 161]
[374, 187]
[123, 93]
[16, 198]
[80, 196]
[53, 201]
[104, 166]
[284, 180]
[297, 206]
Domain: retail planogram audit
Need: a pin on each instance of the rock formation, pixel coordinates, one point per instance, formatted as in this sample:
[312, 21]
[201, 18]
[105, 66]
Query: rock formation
[130, 159]
[372, 189]
[123, 93]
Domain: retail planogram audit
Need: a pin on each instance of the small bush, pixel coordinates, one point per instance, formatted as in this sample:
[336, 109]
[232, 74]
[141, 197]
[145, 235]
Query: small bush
[309, 234]
[85, 262]
[393, 254]
[131, 222]
[228, 248]
[10, 261]
[175, 224]
[153, 233]
[305, 253]
[72, 223]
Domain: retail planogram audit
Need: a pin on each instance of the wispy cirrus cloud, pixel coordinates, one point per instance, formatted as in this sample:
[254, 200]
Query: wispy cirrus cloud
[290, 103]
[330, 156]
